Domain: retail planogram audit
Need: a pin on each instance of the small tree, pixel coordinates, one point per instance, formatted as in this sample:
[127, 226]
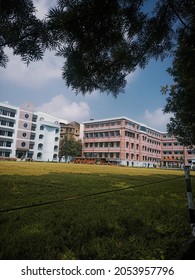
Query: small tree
[70, 147]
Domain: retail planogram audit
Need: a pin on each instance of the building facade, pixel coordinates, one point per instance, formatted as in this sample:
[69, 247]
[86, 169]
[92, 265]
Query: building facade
[127, 142]
[173, 153]
[70, 129]
[25, 134]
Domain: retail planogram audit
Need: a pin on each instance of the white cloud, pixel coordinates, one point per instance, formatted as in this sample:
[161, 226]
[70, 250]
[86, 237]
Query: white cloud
[61, 107]
[36, 75]
[156, 119]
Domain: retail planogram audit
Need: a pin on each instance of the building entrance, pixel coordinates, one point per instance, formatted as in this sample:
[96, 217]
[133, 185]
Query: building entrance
[21, 154]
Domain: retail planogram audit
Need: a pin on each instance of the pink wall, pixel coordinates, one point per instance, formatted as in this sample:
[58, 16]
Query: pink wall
[19, 144]
[25, 117]
[147, 146]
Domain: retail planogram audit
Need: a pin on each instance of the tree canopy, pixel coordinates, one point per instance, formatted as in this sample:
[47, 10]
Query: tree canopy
[102, 41]
[21, 31]
[69, 146]
[181, 95]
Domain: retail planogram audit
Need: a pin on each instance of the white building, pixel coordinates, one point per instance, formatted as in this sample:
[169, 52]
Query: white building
[28, 134]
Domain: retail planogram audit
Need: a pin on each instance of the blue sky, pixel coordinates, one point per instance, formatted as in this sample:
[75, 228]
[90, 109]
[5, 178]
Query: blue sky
[41, 84]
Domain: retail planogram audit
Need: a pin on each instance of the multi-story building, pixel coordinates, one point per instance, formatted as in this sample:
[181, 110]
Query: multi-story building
[28, 134]
[72, 128]
[8, 120]
[127, 142]
[173, 153]
[36, 135]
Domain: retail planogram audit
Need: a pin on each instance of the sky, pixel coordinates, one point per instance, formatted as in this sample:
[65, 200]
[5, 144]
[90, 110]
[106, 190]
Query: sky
[41, 83]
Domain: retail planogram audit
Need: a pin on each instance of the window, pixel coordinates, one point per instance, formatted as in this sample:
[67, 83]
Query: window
[24, 134]
[117, 155]
[40, 146]
[55, 148]
[41, 136]
[91, 145]
[32, 136]
[25, 125]
[33, 127]
[7, 154]
[55, 156]
[34, 118]
[31, 147]
[23, 144]
[10, 133]
[26, 116]
[39, 155]
[8, 144]
[142, 128]
[11, 124]
[191, 152]
[41, 127]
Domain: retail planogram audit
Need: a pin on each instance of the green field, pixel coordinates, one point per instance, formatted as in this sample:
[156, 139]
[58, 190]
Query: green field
[69, 211]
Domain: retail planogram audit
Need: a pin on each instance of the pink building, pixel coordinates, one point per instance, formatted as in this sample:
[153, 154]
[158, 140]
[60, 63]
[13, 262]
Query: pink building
[127, 142]
[173, 153]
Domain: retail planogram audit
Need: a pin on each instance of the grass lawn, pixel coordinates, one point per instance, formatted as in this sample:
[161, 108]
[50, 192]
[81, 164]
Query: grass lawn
[137, 213]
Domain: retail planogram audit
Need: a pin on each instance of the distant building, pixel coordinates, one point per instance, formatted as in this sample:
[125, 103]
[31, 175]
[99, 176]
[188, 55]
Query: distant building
[69, 129]
[72, 128]
[128, 142]
[25, 134]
